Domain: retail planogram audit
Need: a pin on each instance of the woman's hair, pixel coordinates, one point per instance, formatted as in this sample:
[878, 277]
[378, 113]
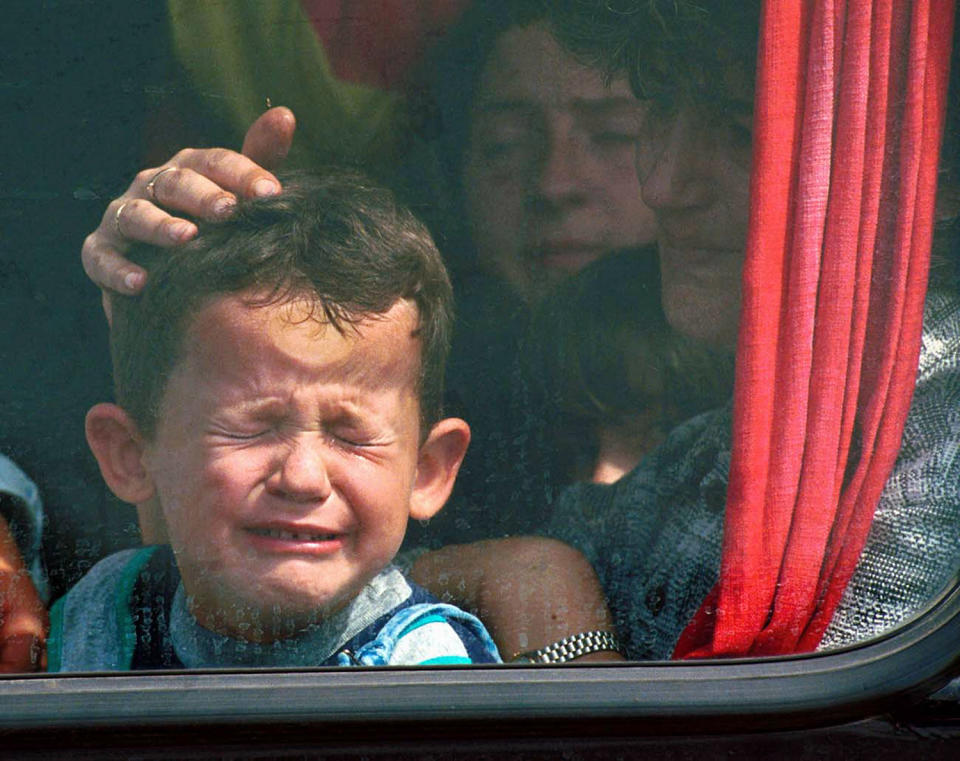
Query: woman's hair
[602, 350]
[666, 48]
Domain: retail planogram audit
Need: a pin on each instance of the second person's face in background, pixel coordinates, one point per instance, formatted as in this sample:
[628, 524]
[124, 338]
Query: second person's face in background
[548, 177]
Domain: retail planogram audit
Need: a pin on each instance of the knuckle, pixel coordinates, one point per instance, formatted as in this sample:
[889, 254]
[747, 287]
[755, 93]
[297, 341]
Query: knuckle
[94, 266]
[136, 206]
[216, 158]
[111, 211]
[88, 246]
[183, 156]
[88, 254]
[144, 175]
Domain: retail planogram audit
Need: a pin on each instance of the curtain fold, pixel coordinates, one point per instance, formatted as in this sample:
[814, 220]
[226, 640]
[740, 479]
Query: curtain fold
[849, 109]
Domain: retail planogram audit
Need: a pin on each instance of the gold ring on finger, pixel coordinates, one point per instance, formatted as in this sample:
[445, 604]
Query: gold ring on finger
[116, 217]
[152, 184]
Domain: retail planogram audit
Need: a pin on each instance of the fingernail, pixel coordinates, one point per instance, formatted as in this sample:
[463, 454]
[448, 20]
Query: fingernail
[224, 206]
[265, 187]
[133, 281]
[180, 231]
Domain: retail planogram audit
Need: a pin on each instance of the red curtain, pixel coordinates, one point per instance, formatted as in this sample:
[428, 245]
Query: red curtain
[849, 111]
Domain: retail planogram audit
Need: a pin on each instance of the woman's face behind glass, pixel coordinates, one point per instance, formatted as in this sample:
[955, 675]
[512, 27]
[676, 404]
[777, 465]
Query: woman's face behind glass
[549, 179]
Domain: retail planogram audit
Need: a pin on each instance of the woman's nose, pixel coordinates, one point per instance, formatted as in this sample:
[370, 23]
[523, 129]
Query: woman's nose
[562, 173]
[673, 165]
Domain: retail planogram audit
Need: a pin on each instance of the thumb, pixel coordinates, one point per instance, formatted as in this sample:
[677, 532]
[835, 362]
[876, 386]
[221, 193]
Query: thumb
[268, 139]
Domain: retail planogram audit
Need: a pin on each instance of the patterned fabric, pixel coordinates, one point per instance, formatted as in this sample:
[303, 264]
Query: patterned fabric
[913, 551]
[391, 622]
[654, 537]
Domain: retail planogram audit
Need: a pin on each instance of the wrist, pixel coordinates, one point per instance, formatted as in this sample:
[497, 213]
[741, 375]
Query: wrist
[572, 648]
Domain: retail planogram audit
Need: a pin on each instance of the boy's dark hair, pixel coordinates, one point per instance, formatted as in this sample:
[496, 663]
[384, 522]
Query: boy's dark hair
[334, 239]
[667, 48]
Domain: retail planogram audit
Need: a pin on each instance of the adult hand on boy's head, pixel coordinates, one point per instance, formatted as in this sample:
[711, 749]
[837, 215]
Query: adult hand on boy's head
[202, 183]
[23, 616]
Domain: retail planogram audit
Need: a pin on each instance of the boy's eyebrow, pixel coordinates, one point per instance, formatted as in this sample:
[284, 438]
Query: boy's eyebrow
[346, 409]
[258, 406]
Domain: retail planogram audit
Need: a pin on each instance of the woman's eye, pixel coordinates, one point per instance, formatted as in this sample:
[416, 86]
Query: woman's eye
[511, 151]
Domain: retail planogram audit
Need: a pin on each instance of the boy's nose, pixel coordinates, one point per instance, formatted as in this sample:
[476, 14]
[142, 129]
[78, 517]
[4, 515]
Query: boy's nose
[302, 475]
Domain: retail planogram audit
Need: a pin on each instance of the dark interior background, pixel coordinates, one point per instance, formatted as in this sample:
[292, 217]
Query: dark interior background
[77, 80]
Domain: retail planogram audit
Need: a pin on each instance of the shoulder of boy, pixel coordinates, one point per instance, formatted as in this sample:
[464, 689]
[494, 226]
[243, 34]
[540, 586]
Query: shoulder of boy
[91, 628]
[429, 634]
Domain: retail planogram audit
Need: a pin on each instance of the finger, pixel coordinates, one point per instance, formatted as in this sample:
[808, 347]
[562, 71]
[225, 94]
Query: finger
[126, 220]
[269, 138]
[231, 171]
[107, 304]
[21, 653]
[139, 220]
[179, 189]
[110, 270]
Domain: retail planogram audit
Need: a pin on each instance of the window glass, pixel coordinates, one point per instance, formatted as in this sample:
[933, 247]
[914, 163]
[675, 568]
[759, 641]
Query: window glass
[593, 214]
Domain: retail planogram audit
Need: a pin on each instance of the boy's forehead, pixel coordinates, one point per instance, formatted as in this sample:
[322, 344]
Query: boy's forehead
[251, 328]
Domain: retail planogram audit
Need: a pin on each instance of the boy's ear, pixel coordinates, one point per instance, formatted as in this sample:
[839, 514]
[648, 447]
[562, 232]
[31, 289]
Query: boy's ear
[437, 466]
[116, 443]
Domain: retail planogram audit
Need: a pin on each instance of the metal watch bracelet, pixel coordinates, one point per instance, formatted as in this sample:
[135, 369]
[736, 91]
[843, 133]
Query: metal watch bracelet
[568, 648]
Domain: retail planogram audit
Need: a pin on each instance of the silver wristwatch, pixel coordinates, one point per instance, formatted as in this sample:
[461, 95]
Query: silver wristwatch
[568, 648]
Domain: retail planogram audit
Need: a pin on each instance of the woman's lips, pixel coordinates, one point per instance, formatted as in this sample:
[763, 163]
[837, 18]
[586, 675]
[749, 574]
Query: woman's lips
[568, 256]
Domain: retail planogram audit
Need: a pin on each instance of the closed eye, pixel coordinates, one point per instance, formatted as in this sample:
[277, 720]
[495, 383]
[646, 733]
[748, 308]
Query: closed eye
[241, 434]
[351, 441]
[244, 436]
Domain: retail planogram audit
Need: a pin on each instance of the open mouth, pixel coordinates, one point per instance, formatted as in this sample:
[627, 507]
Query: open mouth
[293, 536]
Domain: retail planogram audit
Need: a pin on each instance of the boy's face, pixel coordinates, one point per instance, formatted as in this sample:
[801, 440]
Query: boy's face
[284, 461]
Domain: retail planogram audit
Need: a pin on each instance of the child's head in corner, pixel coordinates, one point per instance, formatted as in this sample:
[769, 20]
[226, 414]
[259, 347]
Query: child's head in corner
[616, 376]
[279, 386]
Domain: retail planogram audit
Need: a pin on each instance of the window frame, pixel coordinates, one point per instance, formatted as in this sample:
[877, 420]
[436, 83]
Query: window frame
[642, 699]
